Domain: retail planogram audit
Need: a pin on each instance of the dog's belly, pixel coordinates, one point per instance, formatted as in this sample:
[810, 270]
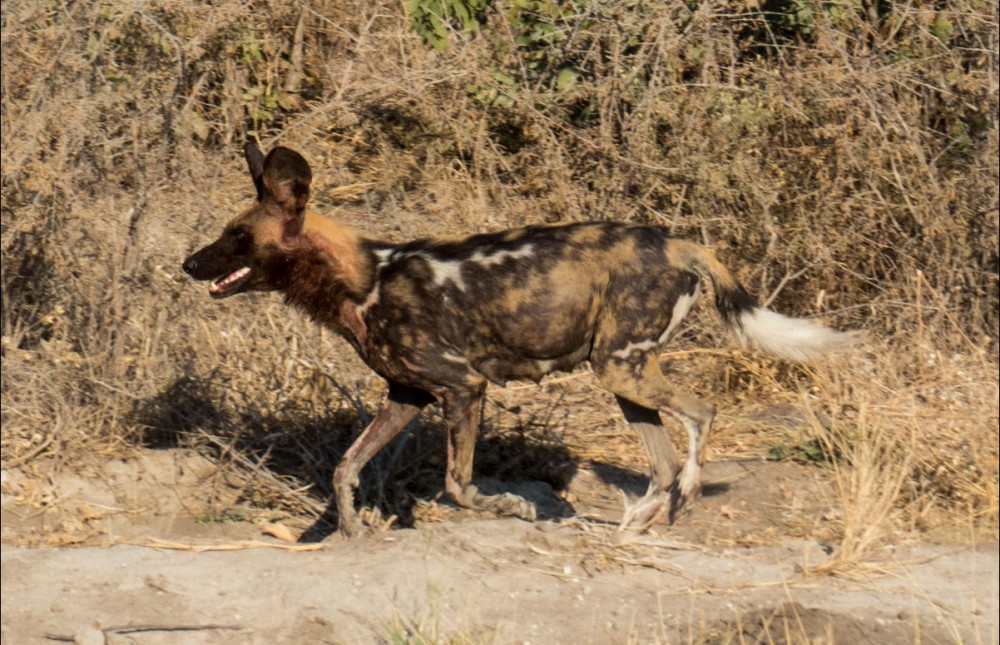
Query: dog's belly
[500, 369]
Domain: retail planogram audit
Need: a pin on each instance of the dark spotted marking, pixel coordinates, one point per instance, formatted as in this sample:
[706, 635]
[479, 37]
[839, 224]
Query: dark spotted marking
[438, 319]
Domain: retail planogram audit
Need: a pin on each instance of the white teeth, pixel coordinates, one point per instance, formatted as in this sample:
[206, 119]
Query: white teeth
[220, 285]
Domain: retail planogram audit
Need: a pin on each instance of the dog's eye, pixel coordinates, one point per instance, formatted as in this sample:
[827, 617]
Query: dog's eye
[241, 240]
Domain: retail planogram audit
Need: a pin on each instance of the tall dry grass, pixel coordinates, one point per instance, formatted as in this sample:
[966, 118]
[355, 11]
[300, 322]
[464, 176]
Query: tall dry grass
[845, 162]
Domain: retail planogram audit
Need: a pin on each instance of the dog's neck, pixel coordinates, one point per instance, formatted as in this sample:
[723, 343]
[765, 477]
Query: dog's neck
[330, 272]
[345, 250]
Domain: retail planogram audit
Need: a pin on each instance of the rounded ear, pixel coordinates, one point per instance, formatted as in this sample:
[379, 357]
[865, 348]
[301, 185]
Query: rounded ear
[286, 180]
[255, 162]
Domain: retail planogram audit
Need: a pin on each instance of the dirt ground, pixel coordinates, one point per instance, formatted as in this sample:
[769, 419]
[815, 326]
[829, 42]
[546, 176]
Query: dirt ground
[129, 554]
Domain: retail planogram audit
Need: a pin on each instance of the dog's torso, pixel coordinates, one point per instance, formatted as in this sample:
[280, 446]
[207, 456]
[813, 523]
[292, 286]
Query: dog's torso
[516, 304]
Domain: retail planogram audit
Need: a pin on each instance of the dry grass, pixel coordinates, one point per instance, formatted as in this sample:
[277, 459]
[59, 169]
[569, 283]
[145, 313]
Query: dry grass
[429, 627]
[848, 170]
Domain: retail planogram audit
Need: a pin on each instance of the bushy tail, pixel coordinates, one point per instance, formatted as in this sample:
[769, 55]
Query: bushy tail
[796, 339]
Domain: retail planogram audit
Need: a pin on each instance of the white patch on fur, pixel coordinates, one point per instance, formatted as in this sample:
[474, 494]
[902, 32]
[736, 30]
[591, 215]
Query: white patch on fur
[796, 339]
[498, 257]
[445, 270]
[641, 346]
[371, 300]
[681, 309]
[690, 478]
[545, 366]
[382, 257]
[454, 358]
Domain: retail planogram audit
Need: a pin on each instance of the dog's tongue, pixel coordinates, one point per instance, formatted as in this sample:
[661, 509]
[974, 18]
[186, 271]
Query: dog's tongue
[221, 285]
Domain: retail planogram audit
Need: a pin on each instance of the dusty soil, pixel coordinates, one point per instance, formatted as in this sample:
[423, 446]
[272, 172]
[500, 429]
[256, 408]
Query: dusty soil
[131, 553]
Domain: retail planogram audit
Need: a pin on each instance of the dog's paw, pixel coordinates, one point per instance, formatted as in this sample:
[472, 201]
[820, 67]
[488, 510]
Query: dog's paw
[685, 491]
[350, 530]
[508, 504]
[349, 525]
[690, 482]
[642, 514]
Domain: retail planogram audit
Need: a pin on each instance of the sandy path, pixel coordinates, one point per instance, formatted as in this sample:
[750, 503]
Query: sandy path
[500, 581]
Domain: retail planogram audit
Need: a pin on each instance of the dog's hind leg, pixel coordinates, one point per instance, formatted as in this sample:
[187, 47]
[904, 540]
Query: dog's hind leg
[462, 409]
[642, 389]
[401, 406]
[697, 419]
[662, 463]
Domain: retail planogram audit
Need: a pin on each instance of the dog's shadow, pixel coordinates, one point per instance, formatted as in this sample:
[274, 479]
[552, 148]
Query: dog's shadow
[538, 472]
[635, 484]
[303, 450]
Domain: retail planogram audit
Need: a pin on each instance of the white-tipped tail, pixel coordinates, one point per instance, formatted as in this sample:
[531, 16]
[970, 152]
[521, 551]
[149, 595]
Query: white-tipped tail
[796, 339]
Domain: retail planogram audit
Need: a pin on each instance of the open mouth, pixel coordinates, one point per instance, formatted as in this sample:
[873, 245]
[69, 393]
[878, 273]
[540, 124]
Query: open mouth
[226, 285]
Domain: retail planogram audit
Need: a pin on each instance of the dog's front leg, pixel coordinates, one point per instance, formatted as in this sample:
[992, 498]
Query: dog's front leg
[462, 408]
[402, 404]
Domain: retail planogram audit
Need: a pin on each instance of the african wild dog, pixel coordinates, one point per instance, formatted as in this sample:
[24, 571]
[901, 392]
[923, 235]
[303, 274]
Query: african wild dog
[440, 318]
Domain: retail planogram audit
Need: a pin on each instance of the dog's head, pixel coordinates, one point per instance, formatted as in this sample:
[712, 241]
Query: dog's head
[252, 252]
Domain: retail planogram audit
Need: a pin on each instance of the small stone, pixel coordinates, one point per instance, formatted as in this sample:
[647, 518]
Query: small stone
[89, 636]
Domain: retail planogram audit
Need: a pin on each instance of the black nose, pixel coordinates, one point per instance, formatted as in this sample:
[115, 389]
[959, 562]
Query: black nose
[190, 266]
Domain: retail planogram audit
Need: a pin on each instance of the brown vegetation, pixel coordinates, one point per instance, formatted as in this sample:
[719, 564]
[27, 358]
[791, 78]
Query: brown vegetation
[844, 155]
